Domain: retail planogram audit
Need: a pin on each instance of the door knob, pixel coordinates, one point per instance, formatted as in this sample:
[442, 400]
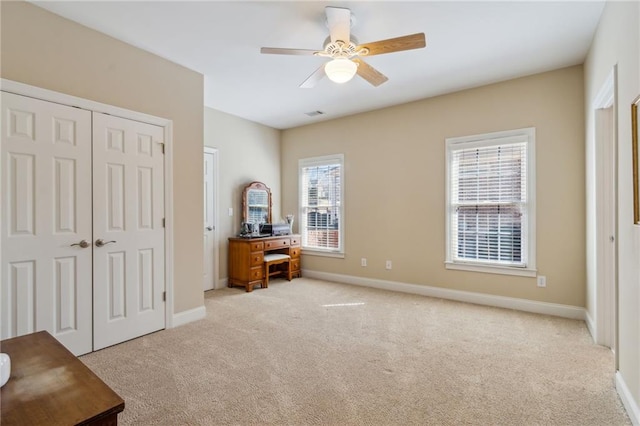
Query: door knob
[209, 228]
[82, 244]
[100, 242]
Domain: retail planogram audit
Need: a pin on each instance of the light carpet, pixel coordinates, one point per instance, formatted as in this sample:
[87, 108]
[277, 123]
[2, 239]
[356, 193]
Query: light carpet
[310, 352]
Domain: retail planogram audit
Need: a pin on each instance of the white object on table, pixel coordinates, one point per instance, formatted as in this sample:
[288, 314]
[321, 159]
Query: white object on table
[5, 368]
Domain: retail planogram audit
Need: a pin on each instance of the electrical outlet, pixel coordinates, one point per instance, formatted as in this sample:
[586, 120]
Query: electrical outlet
[388, 265]
[542, 281]
[363, 261]
[230, 211]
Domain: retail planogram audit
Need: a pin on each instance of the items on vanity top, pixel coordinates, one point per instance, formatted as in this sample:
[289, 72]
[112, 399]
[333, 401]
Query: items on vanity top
[275, 229]
[248, 229]
[253, 230]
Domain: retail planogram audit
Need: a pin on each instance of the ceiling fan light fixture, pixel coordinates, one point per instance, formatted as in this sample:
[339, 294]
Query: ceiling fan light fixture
[341, 70]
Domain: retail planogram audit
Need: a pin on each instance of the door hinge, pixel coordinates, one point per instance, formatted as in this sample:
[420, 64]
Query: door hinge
[162, 146]
[164, 296]
[163, 222]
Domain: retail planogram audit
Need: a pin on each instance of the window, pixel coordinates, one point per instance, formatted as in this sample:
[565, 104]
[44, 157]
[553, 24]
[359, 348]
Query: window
[490, 202]
[321, 209]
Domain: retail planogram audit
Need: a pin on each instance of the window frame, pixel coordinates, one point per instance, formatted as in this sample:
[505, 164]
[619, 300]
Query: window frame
[526, 135]
[320, 161]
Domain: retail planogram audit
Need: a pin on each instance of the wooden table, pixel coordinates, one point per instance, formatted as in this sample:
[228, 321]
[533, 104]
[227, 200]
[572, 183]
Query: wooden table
[50, 386]
[246, 258]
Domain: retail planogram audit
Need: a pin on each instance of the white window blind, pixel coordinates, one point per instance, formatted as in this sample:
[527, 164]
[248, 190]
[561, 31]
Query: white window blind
[321, 203]
[489, 201]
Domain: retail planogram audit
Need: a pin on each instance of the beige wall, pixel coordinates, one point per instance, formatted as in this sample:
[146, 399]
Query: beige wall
[247, 152]
[618, 42]
[394, 184]
[45, 50]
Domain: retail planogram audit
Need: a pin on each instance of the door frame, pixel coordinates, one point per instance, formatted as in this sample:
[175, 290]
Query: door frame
[606, 169]
[167, 125]
[216, 252]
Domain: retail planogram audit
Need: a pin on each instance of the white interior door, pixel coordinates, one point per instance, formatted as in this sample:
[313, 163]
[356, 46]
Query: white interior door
[128, 215]
[46, 213]
[604, 235]
[606, 137]
[209, 220]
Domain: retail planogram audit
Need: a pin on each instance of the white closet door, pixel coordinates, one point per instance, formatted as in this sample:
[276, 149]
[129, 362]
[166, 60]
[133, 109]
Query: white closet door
[46, 213]
[128, 212]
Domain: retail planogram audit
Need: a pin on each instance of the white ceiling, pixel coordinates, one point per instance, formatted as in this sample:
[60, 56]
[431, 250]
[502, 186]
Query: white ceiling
[469, 44]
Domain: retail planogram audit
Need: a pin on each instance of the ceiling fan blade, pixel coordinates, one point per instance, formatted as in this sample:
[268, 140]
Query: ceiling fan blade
[314, 78]
[369, 73]
[280, 51]
[413, 41]
[339, 22]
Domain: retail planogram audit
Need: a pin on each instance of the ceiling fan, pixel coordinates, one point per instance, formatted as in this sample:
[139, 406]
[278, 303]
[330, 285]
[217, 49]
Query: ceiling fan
[346, 54]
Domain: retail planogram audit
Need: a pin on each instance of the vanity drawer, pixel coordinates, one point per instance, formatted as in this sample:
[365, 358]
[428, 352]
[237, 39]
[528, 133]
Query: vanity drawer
[294, 252]
[257, 258]
[255, 273]
[275, 244]
[295, 264]
[257, 245]
[295, 241]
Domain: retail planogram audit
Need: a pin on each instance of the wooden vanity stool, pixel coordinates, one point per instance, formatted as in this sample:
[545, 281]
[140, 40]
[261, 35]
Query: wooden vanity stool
[276, 259]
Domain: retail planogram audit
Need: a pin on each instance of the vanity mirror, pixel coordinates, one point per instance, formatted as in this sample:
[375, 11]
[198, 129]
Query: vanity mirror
[256, 203]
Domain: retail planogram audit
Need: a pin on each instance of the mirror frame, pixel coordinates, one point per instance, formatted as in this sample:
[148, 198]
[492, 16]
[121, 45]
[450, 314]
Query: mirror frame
[255, 186]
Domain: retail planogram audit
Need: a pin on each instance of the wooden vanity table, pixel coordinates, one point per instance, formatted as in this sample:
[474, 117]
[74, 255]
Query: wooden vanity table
[246, 258]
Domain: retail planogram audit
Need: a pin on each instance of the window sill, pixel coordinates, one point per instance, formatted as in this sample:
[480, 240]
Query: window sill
[320, 253]
[491, 269]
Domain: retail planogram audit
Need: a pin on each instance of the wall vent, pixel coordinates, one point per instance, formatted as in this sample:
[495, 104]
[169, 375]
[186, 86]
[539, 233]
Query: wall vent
[314, 113]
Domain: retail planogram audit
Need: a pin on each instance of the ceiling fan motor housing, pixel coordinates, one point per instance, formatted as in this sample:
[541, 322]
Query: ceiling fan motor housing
[339, 49]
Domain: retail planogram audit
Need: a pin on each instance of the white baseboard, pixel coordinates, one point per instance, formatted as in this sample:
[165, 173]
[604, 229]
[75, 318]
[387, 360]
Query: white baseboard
[222, 283]
[185, 317]
[566, 311]
[591, 326]
[633, 411]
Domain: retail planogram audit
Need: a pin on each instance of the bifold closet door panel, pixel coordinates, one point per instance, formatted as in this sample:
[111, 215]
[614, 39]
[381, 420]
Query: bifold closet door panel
[46, 270]
[128, 213]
